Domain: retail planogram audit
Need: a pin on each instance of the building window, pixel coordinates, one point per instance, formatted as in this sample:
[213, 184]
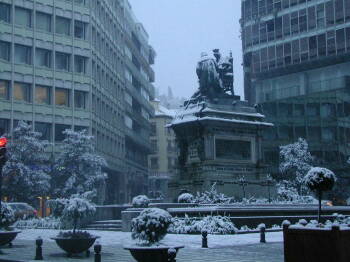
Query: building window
[45, 129]
[62, 26]
[23, 17]
[59, 129]
[22, 91]
[43, 22]
[62, 97]
[4, 90]
[43, 95]
[81, 128]
[5, 49]
[5, 13]
[23, 54]
[43, 58]
[4, 126]
[80, 99]
[62, 61]
[80, 64]
[154, 146]
[154, 163]
[79, 29]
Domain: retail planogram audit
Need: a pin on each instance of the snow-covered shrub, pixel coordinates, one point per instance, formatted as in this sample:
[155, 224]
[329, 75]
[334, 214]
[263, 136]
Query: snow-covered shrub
[7, 216]
[320, 179]
[77, 208]
[75, 235]
[296, 160]
[217, 225]
[151, 226]
[185, 198]
[140, 201]
[211, 224]
[212, 197]
[286, 191]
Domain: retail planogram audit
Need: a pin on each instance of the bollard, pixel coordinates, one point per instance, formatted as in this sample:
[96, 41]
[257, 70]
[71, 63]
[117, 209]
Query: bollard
[204, 239]
[39, 249]
[97, 249]
[172, 255]
[262, 234]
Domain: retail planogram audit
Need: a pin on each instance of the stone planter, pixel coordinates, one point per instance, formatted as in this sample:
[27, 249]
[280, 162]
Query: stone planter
[6, 237]
[151, 254]
[316, 244]
[75, 245]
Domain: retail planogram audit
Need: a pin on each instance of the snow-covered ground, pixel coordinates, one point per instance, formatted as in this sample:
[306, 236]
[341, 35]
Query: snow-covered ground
[190, 241]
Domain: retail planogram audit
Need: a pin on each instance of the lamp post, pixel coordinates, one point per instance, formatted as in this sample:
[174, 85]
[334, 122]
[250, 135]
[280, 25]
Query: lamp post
[3, 159]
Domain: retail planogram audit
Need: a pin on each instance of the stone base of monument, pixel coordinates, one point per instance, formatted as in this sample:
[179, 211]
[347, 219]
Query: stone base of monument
[220, 141]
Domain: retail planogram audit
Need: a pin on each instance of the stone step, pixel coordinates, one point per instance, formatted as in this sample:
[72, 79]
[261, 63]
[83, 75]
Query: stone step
[102, 229]
[107, 225]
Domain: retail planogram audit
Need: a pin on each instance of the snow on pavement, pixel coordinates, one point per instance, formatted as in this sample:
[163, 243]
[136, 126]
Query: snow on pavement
[109, 238]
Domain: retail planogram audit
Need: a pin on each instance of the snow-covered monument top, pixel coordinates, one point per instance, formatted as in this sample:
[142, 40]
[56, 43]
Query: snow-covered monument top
[218, 134]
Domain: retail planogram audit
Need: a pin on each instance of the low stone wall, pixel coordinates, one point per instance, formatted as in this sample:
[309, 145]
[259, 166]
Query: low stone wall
[249, 215]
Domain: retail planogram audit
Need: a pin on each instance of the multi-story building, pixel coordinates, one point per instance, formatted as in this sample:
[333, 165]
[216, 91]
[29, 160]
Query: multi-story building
[139, 56]
[163, 159]
[63, 64]
[296, 65]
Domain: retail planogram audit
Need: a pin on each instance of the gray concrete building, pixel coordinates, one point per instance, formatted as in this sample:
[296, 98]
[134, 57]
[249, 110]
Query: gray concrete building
[75, 64]
[296, 65]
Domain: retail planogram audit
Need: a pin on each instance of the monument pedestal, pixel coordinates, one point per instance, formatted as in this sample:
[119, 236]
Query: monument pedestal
[220, 142]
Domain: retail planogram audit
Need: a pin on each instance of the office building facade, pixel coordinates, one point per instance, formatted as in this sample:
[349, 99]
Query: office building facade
[296, 66]
[63, 65]
[163, 158]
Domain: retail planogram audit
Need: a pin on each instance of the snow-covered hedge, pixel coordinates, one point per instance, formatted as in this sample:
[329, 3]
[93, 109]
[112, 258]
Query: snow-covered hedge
[140, 201]
[40, 223]
[151, 226]
[212, 197]
[320, 179]
[211, 224]
[185, 198]
[7, 216]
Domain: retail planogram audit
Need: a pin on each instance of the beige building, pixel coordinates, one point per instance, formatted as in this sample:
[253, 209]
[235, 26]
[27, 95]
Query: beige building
[163, 158]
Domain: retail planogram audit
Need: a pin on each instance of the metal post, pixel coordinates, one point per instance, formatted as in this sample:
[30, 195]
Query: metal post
[39, 249]
[262, 234]
[172, 255]
[204, 239]
[97, 249]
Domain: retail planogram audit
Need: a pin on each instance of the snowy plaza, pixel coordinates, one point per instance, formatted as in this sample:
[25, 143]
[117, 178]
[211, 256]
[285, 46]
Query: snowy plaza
[243, 248]
[183, 130]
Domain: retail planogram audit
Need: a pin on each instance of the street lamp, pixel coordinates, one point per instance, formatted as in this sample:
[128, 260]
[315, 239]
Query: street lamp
[3, 159]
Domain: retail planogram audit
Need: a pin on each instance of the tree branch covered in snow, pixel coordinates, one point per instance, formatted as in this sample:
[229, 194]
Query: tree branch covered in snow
[296, 160]
[78, 168]
[25, 174]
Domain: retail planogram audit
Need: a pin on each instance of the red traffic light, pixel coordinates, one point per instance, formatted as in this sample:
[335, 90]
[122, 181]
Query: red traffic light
[3, 141]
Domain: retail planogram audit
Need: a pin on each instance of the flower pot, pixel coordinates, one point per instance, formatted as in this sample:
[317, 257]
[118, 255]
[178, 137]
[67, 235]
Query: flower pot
[75, 245]
[6, 237]
[316, 244]
[151, 254]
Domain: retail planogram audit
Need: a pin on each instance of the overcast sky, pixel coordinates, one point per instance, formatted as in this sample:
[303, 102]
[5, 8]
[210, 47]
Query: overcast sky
[180, 30]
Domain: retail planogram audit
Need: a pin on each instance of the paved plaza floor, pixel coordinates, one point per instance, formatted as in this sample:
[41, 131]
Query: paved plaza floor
[234, 248]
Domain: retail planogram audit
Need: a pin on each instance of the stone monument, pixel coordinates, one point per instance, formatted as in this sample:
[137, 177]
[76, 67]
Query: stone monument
[219, 137]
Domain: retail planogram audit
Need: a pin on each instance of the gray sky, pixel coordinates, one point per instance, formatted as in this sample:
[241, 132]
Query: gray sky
[180, 30]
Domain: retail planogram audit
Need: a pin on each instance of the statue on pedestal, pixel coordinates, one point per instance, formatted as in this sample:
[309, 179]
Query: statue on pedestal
[215, 76]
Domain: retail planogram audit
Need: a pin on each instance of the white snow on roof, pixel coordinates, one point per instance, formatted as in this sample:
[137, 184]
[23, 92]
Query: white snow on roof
[163, 111]
[191, 118]
[234, 113]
